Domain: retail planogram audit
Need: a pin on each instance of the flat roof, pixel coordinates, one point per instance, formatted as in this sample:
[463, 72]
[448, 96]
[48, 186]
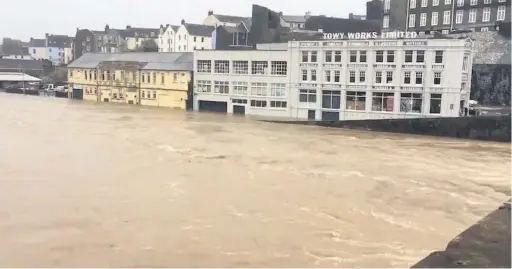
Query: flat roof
[15, 77]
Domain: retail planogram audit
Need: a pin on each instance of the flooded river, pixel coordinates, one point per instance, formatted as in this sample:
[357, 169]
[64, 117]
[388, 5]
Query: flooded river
[97, 185]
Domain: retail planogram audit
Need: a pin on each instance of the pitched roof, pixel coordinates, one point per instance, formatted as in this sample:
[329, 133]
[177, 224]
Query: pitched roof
[150, 60]
[59, 41]
[37, 43]
[294, 18]
[229, 18]
[199, 29]
[247, 22]
[17, 64]
[142, 32]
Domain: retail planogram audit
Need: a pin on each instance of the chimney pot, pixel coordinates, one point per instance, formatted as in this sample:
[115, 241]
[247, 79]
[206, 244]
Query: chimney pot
[210, 12]
[182, 21]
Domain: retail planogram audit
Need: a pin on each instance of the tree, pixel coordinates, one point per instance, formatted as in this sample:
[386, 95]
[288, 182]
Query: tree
[148, 45]
[12, 46]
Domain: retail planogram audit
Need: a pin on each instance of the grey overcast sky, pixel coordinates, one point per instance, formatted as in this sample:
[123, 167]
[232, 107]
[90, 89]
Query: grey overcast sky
[22, 19]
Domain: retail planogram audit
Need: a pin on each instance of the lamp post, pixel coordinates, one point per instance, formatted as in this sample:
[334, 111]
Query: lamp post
[22, 77]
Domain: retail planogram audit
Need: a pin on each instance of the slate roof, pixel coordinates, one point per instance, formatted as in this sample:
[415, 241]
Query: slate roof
[248, 23]
[17, 76]
[229, 18]
[151, 60]
[199, 29]
[17, 64]
[37, 43]
[142, 32]
[59, 41]
[294, 18]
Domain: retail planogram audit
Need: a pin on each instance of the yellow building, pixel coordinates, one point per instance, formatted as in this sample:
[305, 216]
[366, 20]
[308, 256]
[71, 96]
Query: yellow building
[145, 78]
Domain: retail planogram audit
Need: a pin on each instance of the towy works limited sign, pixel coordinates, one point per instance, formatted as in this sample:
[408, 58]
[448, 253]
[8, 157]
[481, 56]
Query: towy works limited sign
[370, 35]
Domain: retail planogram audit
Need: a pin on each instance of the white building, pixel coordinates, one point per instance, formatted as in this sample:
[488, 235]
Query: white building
[190, 37]
[37, 48]
[166, 38]
[216, 20]
[338, 79]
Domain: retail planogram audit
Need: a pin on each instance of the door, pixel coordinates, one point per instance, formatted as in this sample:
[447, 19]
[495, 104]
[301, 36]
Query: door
[213, 106]
[239, 110]
[331, 116]
[105, 100]
[311, 114]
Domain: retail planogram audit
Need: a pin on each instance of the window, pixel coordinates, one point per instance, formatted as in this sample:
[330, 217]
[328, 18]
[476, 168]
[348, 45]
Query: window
[385, 21]
[278, 89]
[258, 103]
[362, 56]
[437, 78]
[411, 102]
[408, 56]
[472, 15]
[412, 4]
[328, 76]
[85, 72]
[305, 56]
[419, 78]
[149, 78]
[240, 67]
[389, 76]
[387, 5]
[353, 56]
[486, 14]
[459, 15]
[337, 56]
[446, 17]
[423, 19]
[379, 58]
[154, 95]
[435, 103]
[501, 13]
[424, 3]
[304, 75]
[407, 77]
[313, 75]
[420, 56]
[239, 101]
[435, 2]
[221, 67]
[258, 89]
[435, 18]
[331, 99]
[143, 94]
[412, 20]
[204, 86]
[202, 39]
[362, 76]
[307, 96]
[378, 77]
[447, 2]
[240, 88]
[313, 56]
[194, 39]
[439, 57]
[162, 78]
[337, 75]
[278, 68]
[259, 67]
[383, 101]
[356, 101]
[465, 63]
[460, 3]
[328, 56]
[473, 2]
[278, 104]
[221, 87]
[352, 76]
[391, 56]
[154, 78]
[487, 1]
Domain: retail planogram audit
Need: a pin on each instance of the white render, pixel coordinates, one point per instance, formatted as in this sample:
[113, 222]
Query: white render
[166, 42]
[68, 55]
[38, 53]
[453, 87]
[184, 42]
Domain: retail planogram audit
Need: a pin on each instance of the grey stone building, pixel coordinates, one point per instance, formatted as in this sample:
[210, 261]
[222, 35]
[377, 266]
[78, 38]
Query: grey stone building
[444, 15]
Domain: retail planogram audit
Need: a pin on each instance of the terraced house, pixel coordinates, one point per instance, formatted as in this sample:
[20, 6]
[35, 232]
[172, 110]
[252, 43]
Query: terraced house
[151, 79]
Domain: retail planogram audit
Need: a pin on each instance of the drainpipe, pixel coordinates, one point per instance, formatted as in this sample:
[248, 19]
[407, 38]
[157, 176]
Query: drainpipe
[407, 16]
[138, 92]
[453, 15]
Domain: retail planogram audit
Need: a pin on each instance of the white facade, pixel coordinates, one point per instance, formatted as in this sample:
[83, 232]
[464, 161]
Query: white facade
[357, 79]
[185, 42]
[166, 41]
[17, 56]
[68, 55]
[38, 53]
[132, 43]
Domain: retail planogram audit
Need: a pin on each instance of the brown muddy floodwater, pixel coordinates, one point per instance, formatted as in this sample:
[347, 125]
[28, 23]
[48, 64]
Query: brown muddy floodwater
[103, 185]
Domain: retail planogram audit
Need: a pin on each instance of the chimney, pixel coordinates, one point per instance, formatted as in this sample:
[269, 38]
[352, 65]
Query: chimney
[107, 28]
[46, 35]
[182, 21]
[161, 26]
[210, 12]
[128, 27]
[280, 13]
[31, 38]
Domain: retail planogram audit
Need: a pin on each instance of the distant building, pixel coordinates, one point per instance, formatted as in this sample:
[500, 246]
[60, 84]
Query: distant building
[353, 16]
[190, 37]
[374, 10]
[141, 78]
[58, 49]
[166, 38]
[228, 37]
[216, 20]
[294, 22]
[84, 42]
[37, 68]
[37, 48]
[445, 15]
[136, 36]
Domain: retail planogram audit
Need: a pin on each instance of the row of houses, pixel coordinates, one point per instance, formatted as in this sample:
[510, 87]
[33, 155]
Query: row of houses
[316, 79]
[55, 48]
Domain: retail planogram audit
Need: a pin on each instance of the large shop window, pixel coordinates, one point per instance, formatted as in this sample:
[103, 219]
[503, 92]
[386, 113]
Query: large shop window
[331, 99]
[356, 100]
[411, 102]
[383, 101]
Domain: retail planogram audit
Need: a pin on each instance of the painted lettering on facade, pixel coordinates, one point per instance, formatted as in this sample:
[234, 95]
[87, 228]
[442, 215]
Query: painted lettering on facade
[370, 35]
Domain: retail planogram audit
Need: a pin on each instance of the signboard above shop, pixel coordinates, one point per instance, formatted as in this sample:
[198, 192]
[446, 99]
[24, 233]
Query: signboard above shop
[370, 35]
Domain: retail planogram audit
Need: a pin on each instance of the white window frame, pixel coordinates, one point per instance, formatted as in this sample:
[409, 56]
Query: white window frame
[435, 19]
[278, 68]
[459, 16]
[472, 15]
[259, 67]
[473, 2]
[387, 5]
[486, 14]
[460, 3]
[487, 1]
[204, 66]
[240, 88]
[221, 87]
[412, 4]
[501, 13]
[241, 67]
[412, 20]
[438, 75]
[435, 3]
[385, 22]
[221, 67]
[447, 17]
[447, 2]
[204, 86]
[278, 89]
[259, 89]
[424, 3]
[423, 19]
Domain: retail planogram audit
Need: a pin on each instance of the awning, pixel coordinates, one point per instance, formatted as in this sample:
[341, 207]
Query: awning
[17, 77]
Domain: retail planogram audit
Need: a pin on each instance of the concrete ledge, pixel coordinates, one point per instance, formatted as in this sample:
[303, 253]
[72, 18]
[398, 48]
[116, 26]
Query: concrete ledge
[484, 245]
